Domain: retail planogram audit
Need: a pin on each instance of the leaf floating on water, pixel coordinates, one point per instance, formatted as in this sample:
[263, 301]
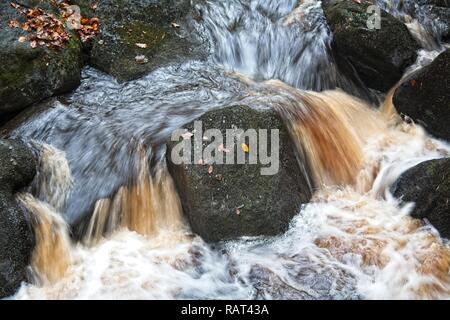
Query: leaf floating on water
[141, 45]
[175, 25]
[22, 39]
[210, 169]
[245, 147]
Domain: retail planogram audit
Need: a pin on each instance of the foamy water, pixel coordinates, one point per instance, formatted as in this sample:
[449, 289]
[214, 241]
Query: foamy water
[359, 244]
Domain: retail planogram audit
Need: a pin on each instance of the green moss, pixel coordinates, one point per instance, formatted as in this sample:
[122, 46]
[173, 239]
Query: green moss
[139, 32]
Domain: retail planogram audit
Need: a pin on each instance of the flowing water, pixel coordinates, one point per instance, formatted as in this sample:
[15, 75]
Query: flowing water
[107, 218]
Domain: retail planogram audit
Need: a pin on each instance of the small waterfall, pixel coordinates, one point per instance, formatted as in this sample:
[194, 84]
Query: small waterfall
[331, 127]
[52, 254]
[287, 40]
[148, 206]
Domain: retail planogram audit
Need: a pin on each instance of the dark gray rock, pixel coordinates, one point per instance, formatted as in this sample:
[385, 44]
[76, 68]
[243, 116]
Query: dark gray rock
[17, 169]
[161, 25]
[428, 185]
[28, 75]
[380, 56]
[236, 200]
[425, 97]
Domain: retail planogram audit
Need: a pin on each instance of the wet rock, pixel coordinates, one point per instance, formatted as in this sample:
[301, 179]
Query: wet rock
[303, 282]
[269, 285]
[428, 186]
[156, 30]
[380, 56]
[27, 74]
[434, 15]
[425, 97]
[17, 169]
[227, 201]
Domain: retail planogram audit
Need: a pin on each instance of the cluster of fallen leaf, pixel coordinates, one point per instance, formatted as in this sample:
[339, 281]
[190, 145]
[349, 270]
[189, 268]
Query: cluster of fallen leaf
[84, 27]
[46, 30]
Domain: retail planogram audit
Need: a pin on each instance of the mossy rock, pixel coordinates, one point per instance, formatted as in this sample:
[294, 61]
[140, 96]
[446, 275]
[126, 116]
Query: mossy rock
[17, 169]
[425, 97]
[428, 186]
[126, 23]
[28, 75]
[235, 200]
[380, 56]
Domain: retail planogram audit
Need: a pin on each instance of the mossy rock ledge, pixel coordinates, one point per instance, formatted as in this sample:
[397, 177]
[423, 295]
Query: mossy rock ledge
[28, 75]
[157, 31]
[228, 201]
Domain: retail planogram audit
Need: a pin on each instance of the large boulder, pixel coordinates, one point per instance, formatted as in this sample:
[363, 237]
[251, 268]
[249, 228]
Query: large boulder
[27, 74]
[428, 186]
[227, 201]
[17, 169]
[137, 36]
[425, 97]
[380, 56]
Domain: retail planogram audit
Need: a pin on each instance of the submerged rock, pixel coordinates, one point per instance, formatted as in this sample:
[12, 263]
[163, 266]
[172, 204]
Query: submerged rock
[27, 74]
[227, 201]
[379, 55]
[425, 97]
[428, 186]
[17, 169]
[138, 36]
[303, 282]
